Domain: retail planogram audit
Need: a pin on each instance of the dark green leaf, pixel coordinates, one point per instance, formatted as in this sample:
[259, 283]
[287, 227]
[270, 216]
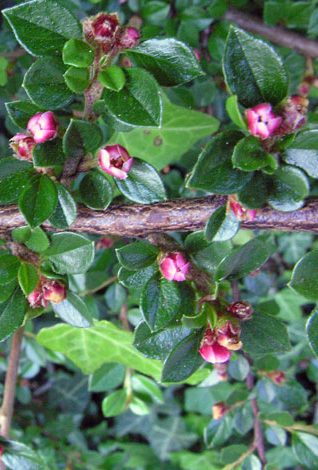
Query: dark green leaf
[14, 175]
[42, 27]
[81, 138]
[248, 155]
[169, 60]
[213, 171]
[113, 78]
[78, 53]
[143, 184]
[304, 278]
[95, 190]
[242, 260]
[49, 154]
[28, 278]
[184, 359]
[289, 188]
[12, 313]
[38, 200]
[253, 70]
[65, 211]
[21, 112]
[303, 152]
[7, 290]
[70, 253]
[221, 226]
[312, 331]
[195, 241]
[77, 79]
[254, 194]
[136, 278]
[264, 334]
[233, 110]
[9, 267]
[73, 310]
[137, 255]
[45, 85]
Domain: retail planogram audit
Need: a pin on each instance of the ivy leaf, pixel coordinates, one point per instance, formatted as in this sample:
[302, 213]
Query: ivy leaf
[12, 313]
[170, 61]
[96, 191]
[74, 311]
[65, 211]
[304, 278]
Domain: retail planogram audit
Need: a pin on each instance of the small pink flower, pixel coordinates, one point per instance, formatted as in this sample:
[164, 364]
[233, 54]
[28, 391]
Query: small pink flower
[197, 54]
[262, 121]
[54, 292]
[239, 211]
[128, 38]
[241, 310]
[211, 350]
[22, 145]
[174, 267]
[115, 160]
[43, 127]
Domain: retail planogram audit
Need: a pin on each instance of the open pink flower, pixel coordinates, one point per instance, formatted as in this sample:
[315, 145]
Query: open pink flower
[115, 160]
[174, 267]
[22, 144]
[239, 211]
[128, 38]
[43, 127]
[211, 350]
[262, 121]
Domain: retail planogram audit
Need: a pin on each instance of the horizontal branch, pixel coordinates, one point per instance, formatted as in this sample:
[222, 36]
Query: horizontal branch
[179, 215]
[276, 34]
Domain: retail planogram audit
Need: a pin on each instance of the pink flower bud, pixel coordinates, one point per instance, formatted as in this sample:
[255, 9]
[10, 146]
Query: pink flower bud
[102, 29]
[197, 54]
[228, 333]
[36, 298]
[211, 350]
[241, 310]
[239, 211]
[54, 292]
[174, 267]
[277, 376]
[22, 145]
[262, 121]
[115, 160]
[219, 410]
[128, 38]
[294, 113]
[43, 127]
[104, 242]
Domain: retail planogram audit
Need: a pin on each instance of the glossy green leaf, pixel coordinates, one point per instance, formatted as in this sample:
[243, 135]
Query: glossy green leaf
[312, 331]
[249, 155]
[136, 278]
[169, 60]
[115, 403]
[143, 184]
[9, 267]
[19, 456]
[242, 260]
[7, 290]
[77, 53]
[21, 112]
[28, 278]
[81, 138]
[113, 78]
[37, 241]
[38, 200]
[14, 176]
[138, 103]
[304, 278]
[253, 70]
[233, 110]
[303, 152]
[77, 79]
[45, 85]
[70, 253]
[289, 187]
[12, 313]
[213, 171]
[96, 191]
[49, 154]
[138, 255]
[42, 27]
[254, 194]
[74, 311]
[221, 226]
[65, 211]
[264, 334]
[305, 447]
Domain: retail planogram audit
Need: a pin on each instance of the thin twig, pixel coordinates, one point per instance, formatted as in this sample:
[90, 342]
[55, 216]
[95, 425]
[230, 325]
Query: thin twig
[100, 287]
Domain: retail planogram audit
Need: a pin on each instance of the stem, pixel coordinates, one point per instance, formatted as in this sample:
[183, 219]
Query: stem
[96, 289]
[6, 411]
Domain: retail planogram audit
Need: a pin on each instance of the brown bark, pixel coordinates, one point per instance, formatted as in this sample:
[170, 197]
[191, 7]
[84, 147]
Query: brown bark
[185, 215]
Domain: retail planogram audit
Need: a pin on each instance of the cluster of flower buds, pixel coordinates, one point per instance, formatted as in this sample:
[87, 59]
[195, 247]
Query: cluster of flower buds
[41, 128]
[47, 290]
[239, 211]
[115, 160]
[104, 242]
[174, 267]
[241, 310]
[104, 30]
[217, 345]
[219, 409]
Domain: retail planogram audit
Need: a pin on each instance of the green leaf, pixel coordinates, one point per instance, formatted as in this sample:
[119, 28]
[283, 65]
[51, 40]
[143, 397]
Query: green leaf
[137, 255]
[19, 456]
[78, 53]
[233, 110]
[49, 154]
[213, 171]
[221, 226]
[143, 184]
[12, 313]
[264, 334]
[81, 138]
[113, 78]
[42, 27]
[254, 194]
[289, 188]
[312, 331]
[70, 253]
[21, 112]
[65, 211]
[138, 103]
[96, 191]
[45, 85]
[77, 79]
[304, 278]
[242, 260]
[146, 389]
[115, 403]
[9, 267]
[7, 290]
[248, 155]
[107, 377]
[28, 278]
[169, 60]
[184, 359]
[305, 447]
[180, 129]
[38, 200]
[303, 152]
[37, 241]
[253, 70]
[74, 311]
[218, 432]
[89, 348]
[14, 175]
[136, 278]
